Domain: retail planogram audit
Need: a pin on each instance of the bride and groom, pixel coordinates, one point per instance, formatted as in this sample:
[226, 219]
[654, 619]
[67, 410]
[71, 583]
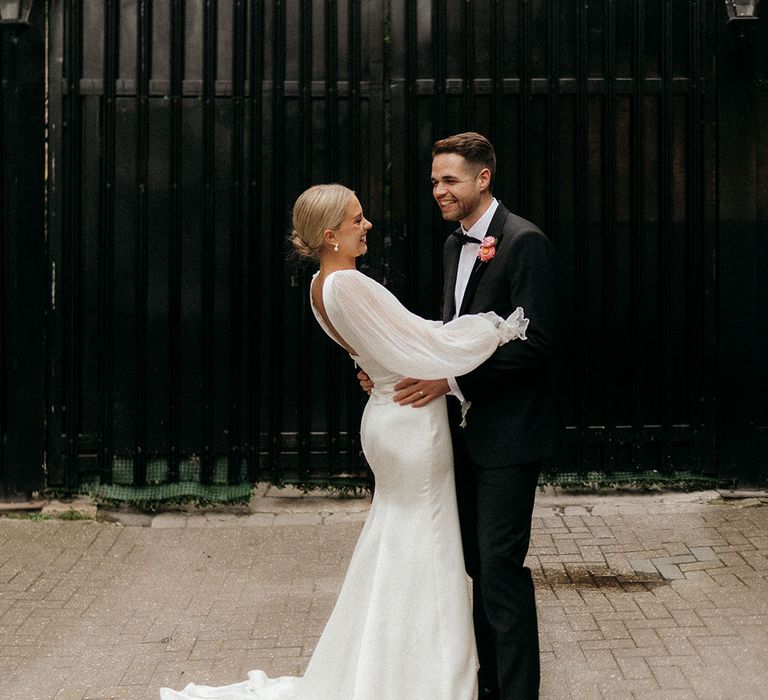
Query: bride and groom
[455, 477]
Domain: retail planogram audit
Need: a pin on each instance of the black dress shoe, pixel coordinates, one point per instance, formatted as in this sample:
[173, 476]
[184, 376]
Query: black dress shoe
[488, 693]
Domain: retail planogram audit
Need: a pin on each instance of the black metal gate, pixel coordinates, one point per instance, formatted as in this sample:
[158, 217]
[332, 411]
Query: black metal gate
[604, 118]
[22, 255]
[180, 344]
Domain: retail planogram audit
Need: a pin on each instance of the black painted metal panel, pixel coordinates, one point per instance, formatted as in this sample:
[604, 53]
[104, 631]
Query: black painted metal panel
[22, 257]
[181, 345]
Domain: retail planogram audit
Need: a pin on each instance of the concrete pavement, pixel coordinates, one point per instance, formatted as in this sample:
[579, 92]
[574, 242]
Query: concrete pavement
[639, 596]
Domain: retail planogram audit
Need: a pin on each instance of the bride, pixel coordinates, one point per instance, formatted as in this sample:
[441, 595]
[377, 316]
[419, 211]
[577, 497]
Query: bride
[402, 625]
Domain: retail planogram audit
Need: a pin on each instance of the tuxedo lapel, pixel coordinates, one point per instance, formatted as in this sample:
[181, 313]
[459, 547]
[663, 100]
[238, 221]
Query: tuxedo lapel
[451, 269]
[496, 229]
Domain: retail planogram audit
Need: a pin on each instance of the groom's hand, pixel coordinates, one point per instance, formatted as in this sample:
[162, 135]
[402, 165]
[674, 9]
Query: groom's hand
[365, 382]
[420, 392]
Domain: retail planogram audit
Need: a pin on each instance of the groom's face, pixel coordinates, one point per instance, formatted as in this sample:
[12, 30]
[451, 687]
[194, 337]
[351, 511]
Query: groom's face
[458, 188]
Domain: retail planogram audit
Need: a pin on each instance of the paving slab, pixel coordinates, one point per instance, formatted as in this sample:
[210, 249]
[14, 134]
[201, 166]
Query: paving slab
[639, 596]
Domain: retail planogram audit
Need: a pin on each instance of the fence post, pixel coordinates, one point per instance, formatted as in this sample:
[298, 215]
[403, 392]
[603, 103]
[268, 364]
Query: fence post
[22, 255]
[743, 250]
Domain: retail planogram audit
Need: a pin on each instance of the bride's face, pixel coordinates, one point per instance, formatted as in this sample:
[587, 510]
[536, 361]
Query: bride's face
[352, 233]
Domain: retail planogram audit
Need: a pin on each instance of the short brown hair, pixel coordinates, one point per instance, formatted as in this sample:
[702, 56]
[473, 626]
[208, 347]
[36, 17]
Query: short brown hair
[473, 147]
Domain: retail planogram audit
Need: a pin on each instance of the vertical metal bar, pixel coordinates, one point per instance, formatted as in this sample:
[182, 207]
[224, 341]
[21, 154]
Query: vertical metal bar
[143, 72]
[239, 28]
[354, 64]
[178, 23]
[305, 316]
[209, 238]
[106, 236]
[582, 231]
[439, 66]
[412, 145]
[55, 372]
[331, 91]
[254, 250]
[331, 175]
[374, 34]
[609, 235]
[388, 143]
[554, 182]
[5, 201]
[710, 444]
[637, 230]
[524, 109]
[71, 243]
[22, 249]
[305, 91]
[665, 228]
[694, 241]
[4, 466]
[467, 66]
[277, 218]
[497, 96]
[439, 111]
[553, 120]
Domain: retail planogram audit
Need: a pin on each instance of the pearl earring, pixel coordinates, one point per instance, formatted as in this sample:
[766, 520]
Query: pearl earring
[336, 247]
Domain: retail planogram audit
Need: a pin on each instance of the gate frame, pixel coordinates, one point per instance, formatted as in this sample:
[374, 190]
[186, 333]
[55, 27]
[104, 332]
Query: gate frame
[742, 251]
[23, 256]
[31, 321]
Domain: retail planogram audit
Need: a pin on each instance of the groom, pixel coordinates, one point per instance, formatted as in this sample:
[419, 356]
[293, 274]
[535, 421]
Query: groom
[496, 261]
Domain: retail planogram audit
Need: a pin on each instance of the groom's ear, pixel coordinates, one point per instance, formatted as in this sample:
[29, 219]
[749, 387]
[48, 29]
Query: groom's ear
[485, 178]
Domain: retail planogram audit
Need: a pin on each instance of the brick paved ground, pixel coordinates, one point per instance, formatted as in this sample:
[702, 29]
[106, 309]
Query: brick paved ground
[639, 597]
[653, 600]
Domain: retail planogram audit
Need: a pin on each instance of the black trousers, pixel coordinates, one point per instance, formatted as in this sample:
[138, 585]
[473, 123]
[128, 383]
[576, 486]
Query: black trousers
[495, 508]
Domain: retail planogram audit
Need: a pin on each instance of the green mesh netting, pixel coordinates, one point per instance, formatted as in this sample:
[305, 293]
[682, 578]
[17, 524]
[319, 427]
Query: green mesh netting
[158, 471]
[182, 490]
[642, 479]
[159, 487]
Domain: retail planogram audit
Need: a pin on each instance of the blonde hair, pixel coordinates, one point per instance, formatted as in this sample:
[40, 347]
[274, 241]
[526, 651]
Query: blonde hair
[319, 208]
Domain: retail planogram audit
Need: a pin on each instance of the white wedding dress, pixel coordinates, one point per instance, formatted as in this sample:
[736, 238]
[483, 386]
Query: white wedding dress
[402, 626]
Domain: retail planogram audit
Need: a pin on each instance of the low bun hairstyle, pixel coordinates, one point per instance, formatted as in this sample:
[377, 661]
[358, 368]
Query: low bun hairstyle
[319, 208]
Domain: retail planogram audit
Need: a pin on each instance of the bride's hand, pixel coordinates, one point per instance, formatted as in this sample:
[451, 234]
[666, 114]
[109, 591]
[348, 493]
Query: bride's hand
[420, 392]
[365, 382]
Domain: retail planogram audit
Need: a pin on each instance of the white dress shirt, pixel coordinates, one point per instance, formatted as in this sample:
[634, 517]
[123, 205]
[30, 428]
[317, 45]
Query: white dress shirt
[467, 259]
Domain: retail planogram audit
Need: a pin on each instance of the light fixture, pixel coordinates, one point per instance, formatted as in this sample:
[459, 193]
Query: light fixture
[742, 11]
[15, 11]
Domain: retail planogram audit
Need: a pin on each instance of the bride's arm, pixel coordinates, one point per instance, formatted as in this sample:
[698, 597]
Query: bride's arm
[375, 323]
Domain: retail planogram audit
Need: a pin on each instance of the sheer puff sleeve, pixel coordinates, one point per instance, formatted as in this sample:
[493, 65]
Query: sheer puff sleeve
[372, 321]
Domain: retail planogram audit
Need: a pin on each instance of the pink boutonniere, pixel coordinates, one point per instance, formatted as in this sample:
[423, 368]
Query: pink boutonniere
[487, 249]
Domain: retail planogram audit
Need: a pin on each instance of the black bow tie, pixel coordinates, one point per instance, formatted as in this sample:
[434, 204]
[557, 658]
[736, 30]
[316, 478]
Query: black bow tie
[463, 238]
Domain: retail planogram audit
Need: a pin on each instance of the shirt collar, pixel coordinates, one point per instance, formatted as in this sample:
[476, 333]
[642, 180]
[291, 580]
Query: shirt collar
[480, 227]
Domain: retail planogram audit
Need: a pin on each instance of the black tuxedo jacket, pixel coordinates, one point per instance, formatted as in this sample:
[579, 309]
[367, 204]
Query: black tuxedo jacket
[514, 417]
